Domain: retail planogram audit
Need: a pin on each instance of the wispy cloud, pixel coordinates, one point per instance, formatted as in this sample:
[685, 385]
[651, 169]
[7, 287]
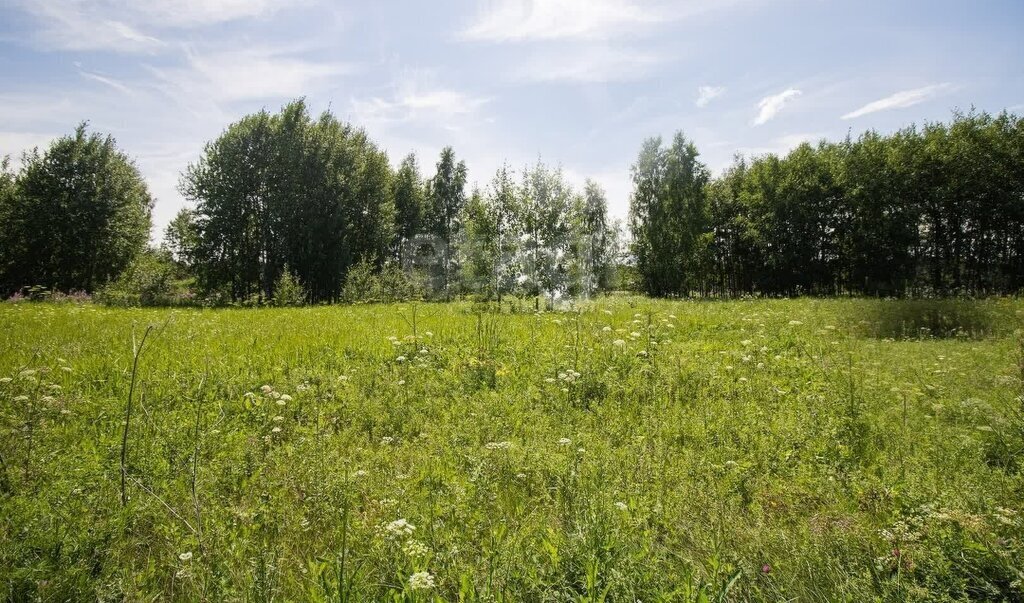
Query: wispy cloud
[706, 94]
[116, 85]
[588, 64]
[782, 145]
[770, 106]
[900, 100]
[75, 26]
[416, 104]
[516, 20]
[128, 27]
[254, 73]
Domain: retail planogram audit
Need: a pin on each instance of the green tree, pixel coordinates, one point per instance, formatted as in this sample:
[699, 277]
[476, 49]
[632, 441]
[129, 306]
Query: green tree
[479, 246]
[447, 196]
[276, 190]
[409, 204]
[76, 215]
[668, 216]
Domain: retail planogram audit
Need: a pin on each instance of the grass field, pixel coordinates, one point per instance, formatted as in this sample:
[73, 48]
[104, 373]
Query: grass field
[634, 450]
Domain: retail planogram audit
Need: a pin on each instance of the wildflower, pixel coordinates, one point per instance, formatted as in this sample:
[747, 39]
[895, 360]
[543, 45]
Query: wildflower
[5, 380]
[276, 430]
[21, 398]
[400, 359]
[399, 528]
[387, 440]
[504, 445]
[549, 380]
[795, 323]
[634, 334]
[429, 334]
[564, 442]
[186, 556]
[266, 389]
[766, 569]
[415, 548]
[607, 329]
[285, 398]
[360, 473]
[278, 419]
[619, 343]
[621, 506]
[421, 581]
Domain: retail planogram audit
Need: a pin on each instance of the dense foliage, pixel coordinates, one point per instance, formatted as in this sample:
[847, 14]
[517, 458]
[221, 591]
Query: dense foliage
[938, 209]
[318, 196]
[277, 190]
[771, 450]
[73, 217]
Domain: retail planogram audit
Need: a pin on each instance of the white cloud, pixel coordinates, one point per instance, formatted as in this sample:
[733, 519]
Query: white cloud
[706, 94]
[15, 143]
[206, 12]
[900, 100]
[415, 100]
[249, 74]
[781, 145]
[75, 26]
[515, 20]
[770, 106]
[116, 85]
[122, 26]
[593, 64]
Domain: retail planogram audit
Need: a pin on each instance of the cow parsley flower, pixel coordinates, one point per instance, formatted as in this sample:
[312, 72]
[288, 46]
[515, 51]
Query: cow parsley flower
[421, 581]
[399, 528]
[186, 556]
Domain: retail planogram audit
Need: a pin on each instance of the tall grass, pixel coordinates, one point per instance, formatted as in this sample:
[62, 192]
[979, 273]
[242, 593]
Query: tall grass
[627, 449]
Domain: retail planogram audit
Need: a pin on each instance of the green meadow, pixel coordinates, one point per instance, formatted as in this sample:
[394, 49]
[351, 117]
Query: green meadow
[622, 450]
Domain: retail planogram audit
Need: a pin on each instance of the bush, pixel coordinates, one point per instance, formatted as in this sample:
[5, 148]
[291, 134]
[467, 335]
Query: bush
[389, 284]
[288, 291]
[147, 281]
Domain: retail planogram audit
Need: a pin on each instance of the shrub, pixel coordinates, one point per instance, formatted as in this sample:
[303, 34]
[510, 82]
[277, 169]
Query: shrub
[389, 284]
[147, 281]
[288, 291]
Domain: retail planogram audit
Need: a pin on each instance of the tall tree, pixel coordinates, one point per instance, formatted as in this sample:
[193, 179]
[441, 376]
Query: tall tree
[76, 216]
[285, 190]
[447, 196]
[667, 216]
[409, 203]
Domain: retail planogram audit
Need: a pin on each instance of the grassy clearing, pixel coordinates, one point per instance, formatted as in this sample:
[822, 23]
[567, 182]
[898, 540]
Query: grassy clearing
[635, 450]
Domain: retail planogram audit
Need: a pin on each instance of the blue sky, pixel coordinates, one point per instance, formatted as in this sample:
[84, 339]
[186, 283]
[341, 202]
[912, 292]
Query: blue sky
[579, 83]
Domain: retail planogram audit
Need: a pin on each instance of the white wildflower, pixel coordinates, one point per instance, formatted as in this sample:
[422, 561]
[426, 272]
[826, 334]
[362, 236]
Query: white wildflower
[621, 506]
[504, 445]
[399, 528]
[186, 556]
[565, 442]
[421, 581]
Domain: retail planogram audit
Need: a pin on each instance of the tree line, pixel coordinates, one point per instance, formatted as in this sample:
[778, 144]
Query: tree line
[931, 210]
[290, 208]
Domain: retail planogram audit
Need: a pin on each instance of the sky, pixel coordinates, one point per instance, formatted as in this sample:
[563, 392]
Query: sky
[575, 83]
